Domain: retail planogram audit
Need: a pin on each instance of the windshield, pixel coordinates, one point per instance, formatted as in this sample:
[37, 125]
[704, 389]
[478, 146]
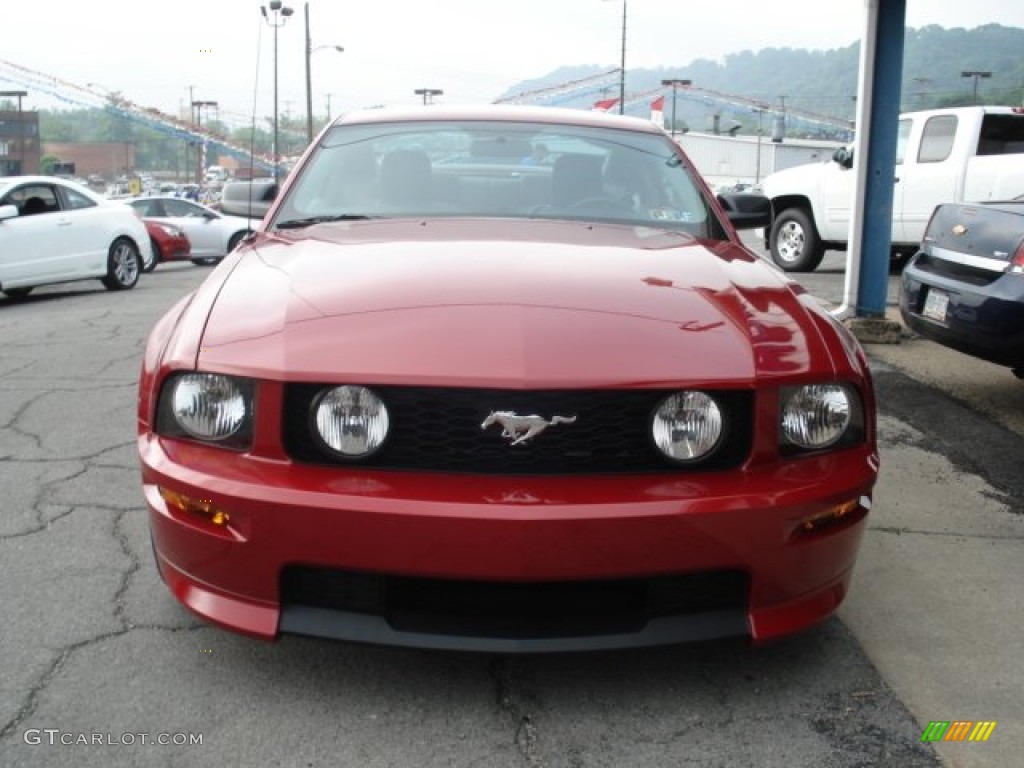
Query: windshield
[497, 169]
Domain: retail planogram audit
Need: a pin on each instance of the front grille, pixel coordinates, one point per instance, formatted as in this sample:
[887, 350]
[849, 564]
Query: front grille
[438, 429]
[507, 609]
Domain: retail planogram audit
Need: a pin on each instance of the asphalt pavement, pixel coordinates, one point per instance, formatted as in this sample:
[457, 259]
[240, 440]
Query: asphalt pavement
[94, 646]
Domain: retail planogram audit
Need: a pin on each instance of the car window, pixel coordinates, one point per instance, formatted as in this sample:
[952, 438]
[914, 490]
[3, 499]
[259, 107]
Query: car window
[32, 199]
[183, 208]
[509, 170]
[75, 200]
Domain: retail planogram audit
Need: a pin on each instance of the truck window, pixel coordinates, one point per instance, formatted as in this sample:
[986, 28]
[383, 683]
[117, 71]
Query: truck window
[937, 139]
[901, 140]
[1001, 135]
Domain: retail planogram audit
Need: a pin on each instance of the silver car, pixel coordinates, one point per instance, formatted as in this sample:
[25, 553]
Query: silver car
[213, 235]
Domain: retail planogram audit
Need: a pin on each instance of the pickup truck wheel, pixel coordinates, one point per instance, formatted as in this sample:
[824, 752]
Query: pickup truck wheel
[794, 242]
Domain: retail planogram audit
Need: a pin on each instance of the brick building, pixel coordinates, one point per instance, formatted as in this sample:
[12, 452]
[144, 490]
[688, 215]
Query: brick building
[108, 159]
[19, 143]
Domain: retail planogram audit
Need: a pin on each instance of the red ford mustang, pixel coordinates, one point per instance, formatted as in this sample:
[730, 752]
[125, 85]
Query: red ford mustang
[504, 379]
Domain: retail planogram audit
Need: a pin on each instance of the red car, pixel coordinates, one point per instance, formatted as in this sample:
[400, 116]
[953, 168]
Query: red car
[169, 244]
[452, 398]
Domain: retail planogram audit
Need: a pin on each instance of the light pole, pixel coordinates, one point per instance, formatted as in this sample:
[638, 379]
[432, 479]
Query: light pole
[674, 82]
[276, 18]
[975, 74]
[622, 64]
[310, 50]
[197, 107]
[428, 94]
[757, 170]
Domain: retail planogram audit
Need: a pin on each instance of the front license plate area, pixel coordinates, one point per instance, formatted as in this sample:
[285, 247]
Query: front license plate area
[935, 305]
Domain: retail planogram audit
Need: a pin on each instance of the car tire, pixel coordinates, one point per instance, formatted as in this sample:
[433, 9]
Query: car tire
[204, 262]
[794, 242]
[18, 293]
[124, 265]
[236, 239]
[149, 266]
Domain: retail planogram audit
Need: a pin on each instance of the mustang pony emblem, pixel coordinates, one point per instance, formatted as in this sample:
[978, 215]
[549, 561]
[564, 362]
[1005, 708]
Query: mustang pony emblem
[522, 428]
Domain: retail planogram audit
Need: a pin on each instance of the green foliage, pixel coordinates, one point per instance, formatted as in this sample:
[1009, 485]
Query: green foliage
[46, 164]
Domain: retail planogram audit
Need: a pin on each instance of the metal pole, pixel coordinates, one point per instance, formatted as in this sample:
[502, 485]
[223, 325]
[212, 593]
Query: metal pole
[673, 110]
[757, 170]
[622, 68]
[277, 157]
[309, 83]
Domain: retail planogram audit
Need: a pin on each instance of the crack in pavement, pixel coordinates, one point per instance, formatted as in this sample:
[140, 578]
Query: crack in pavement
[133, 567]
[899, 531]
[64, 654]
[526, 736]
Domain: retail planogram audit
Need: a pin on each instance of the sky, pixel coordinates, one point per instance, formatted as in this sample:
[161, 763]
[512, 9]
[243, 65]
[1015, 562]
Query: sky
[164, 55]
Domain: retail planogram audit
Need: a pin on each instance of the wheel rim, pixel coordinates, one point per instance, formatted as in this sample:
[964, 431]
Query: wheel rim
[126, 265]
[790, 242]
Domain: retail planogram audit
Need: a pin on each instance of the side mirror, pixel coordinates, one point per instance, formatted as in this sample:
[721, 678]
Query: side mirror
[746, 210]
[844, 157]
[8, 212]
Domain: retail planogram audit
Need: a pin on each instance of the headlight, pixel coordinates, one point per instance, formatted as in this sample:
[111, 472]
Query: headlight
[208, 406]
[351, 421]
[816, 416]
[687, 426]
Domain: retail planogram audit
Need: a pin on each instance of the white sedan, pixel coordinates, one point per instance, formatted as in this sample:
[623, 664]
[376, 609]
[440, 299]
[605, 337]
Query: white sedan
[213, 235]
[56, 231]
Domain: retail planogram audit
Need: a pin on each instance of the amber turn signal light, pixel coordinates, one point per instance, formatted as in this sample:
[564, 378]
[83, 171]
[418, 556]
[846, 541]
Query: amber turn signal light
[832, 516]
[203, 508]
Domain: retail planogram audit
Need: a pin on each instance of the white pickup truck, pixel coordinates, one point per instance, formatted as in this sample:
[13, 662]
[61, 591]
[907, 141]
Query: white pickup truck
[962, 154]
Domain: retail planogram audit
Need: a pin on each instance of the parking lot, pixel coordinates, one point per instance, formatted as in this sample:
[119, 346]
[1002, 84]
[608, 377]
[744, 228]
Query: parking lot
[102, 666]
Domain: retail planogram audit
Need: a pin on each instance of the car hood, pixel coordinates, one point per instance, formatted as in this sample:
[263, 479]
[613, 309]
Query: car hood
[538, 304]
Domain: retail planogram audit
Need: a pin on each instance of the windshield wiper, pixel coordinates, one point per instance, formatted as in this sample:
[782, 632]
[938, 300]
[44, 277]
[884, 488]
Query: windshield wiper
[300, 223]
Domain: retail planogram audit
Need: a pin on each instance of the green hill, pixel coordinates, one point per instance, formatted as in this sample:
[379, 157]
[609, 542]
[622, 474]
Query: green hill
[820, 82]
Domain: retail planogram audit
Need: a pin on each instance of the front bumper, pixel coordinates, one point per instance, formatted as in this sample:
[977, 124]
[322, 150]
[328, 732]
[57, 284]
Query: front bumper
[519, 537]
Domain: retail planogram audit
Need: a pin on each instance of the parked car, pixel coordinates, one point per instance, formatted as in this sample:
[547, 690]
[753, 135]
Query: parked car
[965, 287]
[168, 241]
[947, 155]
[56, 231]
[443, 398]
[211, 234]
[248, 198]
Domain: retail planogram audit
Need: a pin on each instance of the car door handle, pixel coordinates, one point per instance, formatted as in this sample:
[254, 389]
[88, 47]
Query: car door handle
[64, 223]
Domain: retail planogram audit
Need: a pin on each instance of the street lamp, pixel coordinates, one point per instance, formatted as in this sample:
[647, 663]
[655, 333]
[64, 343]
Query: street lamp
[675, 83]
[310, 50]
[975, 74]
[276, 18]
[428, 94]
